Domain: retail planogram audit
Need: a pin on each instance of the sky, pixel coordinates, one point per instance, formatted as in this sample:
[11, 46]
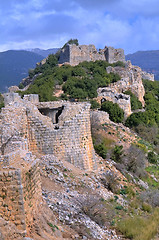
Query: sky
[129, 24]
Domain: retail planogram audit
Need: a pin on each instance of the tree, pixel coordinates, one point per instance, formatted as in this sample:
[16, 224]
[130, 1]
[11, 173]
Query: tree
[116, 114]
[101, 149]
[117, 153]
[152, 158]
[135, 103]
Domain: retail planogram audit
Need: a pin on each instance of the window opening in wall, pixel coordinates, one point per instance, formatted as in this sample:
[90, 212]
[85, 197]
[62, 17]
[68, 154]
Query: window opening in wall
[52, 113]
[59, 113]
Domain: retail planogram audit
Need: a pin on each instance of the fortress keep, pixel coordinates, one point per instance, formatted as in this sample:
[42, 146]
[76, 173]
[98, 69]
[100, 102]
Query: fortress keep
[74, 54]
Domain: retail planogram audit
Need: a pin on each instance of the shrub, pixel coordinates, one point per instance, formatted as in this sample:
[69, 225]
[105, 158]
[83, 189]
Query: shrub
[1, 101]
[140, 228]
[152, 158]
[94, 104]
[151, 197]
[109, 180]
[135, 161]
[116, 114]
[146, 207]
[135, 103]
[71, 41]
[101, 149]
[117, 153]
[21, 86]
[93, 207]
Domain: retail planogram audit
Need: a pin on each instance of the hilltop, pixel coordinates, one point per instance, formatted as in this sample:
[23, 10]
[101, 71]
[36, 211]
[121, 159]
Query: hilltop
[79, 149]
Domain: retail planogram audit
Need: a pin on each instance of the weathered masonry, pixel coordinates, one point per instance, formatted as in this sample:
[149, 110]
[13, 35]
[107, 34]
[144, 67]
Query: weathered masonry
[28, 128]
[73, 54]
[60, 128]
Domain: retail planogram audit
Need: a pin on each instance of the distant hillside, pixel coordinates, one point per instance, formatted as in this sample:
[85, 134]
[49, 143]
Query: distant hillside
[43, 52]
[14, 65]
[147, 60]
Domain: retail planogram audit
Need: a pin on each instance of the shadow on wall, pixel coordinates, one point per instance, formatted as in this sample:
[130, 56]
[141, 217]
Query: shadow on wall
[53, 113]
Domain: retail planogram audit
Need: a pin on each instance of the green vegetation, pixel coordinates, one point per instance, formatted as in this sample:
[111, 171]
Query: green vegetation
[21, 86]
[1, 101]
[152, 157]
[140, 228]
[78, 82]
[116, 114]
[71, 41]
[54, 227]
[94, 104]
[101, 149]
[135, 103]
[146, 123]
[117, 153]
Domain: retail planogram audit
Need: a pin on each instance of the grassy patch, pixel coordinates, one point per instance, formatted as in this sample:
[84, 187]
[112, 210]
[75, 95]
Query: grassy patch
[140, 228]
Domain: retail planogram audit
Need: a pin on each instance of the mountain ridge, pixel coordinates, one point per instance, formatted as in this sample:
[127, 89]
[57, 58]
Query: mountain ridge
[14, 66]
[147, 60]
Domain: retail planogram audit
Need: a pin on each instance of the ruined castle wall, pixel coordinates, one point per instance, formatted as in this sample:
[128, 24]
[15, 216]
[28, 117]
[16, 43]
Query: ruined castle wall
[32, 194]
[24, 128]
[74, 54]
[11, 198]
[114, 55]
[13, 126]
[11, 97]
[20, 191]
[131, 79]
[71, 140]
[121, 99]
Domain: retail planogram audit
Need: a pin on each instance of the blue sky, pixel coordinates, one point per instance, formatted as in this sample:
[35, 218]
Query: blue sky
[129, 24]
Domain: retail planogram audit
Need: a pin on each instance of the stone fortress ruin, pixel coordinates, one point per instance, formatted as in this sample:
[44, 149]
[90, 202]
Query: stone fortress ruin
[74, 54]
[29, 129]
[131, 76]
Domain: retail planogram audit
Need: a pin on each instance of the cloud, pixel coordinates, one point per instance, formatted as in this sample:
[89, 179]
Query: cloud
[131, 25]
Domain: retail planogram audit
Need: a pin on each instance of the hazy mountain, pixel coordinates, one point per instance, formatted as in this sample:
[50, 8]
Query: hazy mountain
[43, 52]
[14, 66]
[147, 60]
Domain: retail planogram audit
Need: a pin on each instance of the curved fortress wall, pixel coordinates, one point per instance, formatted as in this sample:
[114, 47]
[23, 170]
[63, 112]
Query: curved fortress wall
[60, 128]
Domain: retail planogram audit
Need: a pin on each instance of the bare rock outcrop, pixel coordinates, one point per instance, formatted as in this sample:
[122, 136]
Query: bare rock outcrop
[131, 79]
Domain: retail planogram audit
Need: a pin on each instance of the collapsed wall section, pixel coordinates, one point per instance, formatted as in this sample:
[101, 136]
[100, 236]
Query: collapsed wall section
[109, 94]
[69, 140]
[131, 79]
[65, 130]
